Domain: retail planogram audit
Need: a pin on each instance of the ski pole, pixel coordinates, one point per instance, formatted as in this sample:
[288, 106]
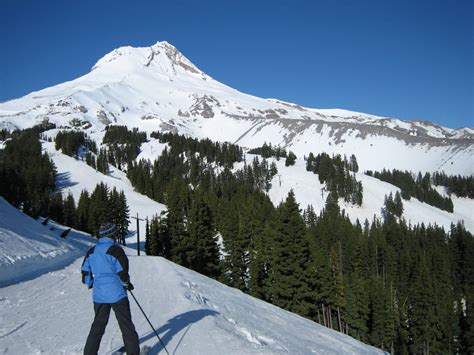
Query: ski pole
[151, 325]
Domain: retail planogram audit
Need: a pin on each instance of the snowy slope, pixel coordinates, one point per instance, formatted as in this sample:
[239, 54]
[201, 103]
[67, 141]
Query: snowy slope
[29, 248]
[157, 88]
[51, 314]
[309, 191]
[75, 175]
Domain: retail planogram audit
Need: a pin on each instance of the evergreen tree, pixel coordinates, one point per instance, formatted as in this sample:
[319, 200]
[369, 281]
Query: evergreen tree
[381, 325]
[228, 225]
[398, 204]
[27, 174]
[121, 217]
[423, 329]
[290, 159]
[289, 285]
[147, 237]
[159, 241]
[358, 298]
[99, 209]
[353, 165]
[69, 212]
[204, 254]
[260, 263]
[82, 211]
[55, 210]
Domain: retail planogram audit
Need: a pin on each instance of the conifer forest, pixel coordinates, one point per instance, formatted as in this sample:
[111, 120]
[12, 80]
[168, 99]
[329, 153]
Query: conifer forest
[408, 289]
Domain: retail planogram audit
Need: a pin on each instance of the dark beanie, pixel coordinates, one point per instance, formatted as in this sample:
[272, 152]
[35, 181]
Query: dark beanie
[107, 230]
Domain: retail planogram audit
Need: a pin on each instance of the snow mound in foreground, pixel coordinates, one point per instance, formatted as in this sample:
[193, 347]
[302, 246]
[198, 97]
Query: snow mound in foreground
[193, 314]
[27, 248]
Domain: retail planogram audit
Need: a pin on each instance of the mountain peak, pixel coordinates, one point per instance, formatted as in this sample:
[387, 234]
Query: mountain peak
[162, 56]
[173, 55]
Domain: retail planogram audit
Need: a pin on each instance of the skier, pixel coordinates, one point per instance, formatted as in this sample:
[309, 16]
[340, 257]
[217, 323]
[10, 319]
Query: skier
[105, 270]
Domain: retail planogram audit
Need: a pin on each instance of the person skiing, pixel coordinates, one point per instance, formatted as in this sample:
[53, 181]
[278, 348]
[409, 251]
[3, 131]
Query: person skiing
[105, 270]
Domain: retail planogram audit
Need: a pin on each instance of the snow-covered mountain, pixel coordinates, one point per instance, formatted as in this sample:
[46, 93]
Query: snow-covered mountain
[75, 176]
[157, 88]
[46, 309]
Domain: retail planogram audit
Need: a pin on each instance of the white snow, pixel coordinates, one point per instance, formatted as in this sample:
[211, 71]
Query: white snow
[29, 248]
[148, 87]
[75, 175]
[309, 191]
[52, 313]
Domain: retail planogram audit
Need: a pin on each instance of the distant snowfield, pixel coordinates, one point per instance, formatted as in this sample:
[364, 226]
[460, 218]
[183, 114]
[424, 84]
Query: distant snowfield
[52, 313]
[309, 191]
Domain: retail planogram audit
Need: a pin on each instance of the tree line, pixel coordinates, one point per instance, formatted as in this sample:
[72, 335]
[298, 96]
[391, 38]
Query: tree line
[27, 174]
[28, 182]
[70, 143]
[335, 172]
[419, 188]
[267, 151]
[461, 186]
[123, 145]
[92, 209]
[223, 154]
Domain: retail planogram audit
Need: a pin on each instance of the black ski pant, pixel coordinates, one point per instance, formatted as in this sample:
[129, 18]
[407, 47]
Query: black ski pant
[124, 319]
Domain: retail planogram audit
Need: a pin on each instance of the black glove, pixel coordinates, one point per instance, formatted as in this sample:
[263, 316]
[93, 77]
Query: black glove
[128, 286]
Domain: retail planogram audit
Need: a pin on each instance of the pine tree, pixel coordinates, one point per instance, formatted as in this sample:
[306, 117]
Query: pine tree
[290, 159]
[398, 204]
[423, 327]
[55, 210]
[289, 284]
[339, 284]
[380, 316]
[147, 237]
[159, 241]
[353, 165]
[358, 298]
[99, 209]
[260, 263]
[177, 202]
[122, 218]
[69, 212]
[83, 211]
[228, 225]
[203, 256]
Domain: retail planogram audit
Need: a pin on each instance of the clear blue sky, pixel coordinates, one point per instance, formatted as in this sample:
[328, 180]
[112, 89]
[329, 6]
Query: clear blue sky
[411, 59]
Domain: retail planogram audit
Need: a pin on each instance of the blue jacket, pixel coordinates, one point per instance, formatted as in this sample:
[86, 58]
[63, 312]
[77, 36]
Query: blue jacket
[105, 269]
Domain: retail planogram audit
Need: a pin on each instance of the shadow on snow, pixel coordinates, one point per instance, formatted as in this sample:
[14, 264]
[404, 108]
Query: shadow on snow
[175, 325]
